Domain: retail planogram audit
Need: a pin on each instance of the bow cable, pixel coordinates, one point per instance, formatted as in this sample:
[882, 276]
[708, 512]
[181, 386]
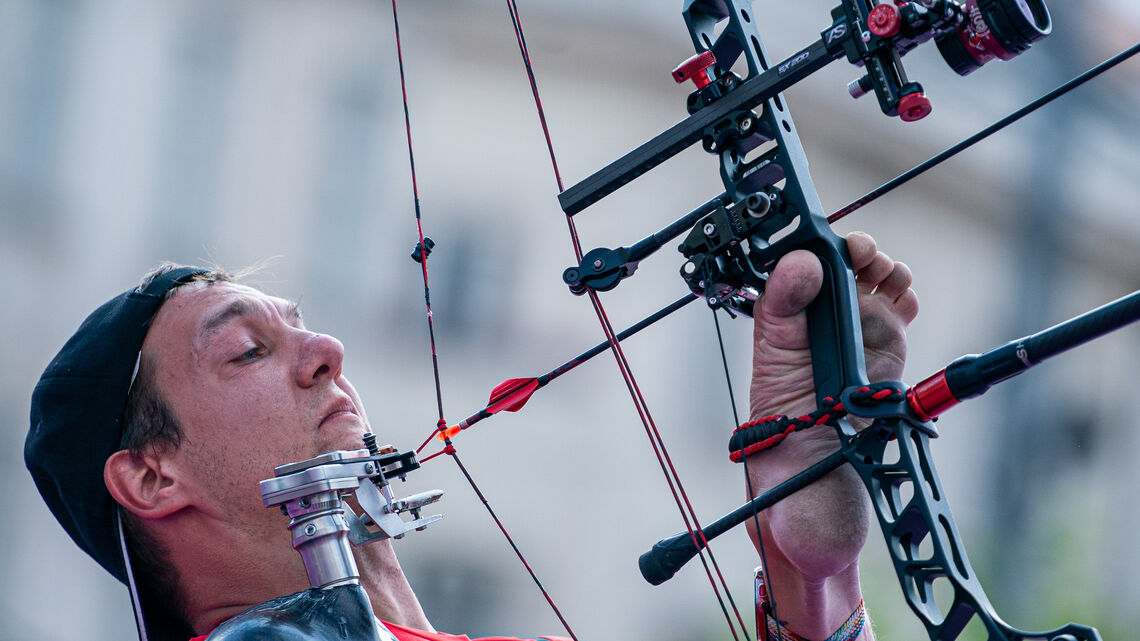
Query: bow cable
[421, 255]
[684, 505]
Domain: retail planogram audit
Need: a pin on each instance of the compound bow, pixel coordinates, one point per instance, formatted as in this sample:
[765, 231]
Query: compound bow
[769, 207]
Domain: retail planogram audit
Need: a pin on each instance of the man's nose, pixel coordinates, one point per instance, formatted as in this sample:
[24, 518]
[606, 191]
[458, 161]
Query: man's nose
[321, 356]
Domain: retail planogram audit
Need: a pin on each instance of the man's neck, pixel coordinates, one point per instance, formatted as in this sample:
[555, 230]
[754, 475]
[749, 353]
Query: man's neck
[388, 589]
[224, 571]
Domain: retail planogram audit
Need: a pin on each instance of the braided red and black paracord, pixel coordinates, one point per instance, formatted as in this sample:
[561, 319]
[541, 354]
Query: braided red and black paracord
[769, 431]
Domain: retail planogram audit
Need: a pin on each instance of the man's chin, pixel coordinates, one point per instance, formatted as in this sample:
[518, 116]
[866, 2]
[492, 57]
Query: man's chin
[342, 433]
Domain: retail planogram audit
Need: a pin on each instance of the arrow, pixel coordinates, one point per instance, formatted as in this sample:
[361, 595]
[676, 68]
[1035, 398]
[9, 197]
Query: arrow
[512, 394]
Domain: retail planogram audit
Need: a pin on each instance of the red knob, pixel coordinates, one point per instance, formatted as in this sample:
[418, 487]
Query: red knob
[884, 20]
[696, 69]
[914, 106]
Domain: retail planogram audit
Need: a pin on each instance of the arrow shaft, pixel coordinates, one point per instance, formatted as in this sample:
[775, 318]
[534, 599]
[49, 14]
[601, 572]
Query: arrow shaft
[585, 356]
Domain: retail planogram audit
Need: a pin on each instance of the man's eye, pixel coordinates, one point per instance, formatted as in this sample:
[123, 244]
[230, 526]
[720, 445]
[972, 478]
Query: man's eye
[252, 353]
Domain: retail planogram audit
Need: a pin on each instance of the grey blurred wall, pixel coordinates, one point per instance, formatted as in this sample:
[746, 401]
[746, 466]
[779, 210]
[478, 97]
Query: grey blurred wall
[133, 132]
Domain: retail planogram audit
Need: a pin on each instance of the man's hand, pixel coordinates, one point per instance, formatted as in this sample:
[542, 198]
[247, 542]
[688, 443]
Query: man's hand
[813, 538]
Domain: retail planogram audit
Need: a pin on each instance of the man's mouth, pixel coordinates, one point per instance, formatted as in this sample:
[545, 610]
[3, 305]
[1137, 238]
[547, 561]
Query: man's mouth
[342, 408]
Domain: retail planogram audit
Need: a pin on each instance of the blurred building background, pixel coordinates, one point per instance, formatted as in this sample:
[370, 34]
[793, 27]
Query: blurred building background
[133, 132]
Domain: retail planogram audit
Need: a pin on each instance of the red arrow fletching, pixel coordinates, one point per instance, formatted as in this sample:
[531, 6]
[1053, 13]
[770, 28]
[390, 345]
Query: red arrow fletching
[511, 395]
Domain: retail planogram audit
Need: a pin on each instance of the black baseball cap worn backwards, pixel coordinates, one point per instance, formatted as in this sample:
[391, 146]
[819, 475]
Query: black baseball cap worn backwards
[77, 416]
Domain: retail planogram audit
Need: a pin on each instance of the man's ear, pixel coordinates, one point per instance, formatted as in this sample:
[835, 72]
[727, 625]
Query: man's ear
[145, 485]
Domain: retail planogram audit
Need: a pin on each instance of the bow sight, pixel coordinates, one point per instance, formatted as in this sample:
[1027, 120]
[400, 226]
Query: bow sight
[770, 206]
[761, 157]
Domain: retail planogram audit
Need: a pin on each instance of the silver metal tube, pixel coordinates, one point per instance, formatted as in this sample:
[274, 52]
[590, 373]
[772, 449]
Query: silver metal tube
[320, 534]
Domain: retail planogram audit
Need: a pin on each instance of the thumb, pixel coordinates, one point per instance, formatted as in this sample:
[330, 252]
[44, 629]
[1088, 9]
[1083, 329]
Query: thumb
[779, 318]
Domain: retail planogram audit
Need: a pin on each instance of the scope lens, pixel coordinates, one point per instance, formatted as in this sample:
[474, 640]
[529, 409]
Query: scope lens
[993, 29]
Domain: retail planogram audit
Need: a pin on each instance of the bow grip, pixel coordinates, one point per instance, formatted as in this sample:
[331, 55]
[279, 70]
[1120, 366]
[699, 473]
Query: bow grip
[834, 329]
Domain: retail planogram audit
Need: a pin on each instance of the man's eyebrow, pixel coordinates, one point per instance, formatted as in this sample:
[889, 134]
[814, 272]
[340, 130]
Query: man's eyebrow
[293, 313]
[215, 322]
[239, 308]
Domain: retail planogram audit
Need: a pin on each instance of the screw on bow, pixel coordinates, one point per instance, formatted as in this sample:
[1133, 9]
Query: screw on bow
[696, 69]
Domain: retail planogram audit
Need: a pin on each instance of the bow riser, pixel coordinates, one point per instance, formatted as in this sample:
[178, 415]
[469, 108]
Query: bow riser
[770, 208]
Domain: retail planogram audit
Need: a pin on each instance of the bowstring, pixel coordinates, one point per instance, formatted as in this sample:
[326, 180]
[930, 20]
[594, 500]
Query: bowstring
[449, 447]
[676, 488]
[419, 220]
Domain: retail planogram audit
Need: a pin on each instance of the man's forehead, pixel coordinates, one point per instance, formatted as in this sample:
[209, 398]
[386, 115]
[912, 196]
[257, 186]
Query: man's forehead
[198, 307]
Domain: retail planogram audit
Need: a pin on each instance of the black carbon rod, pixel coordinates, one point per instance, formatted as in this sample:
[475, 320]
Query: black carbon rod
[950, 152]
[667, 556]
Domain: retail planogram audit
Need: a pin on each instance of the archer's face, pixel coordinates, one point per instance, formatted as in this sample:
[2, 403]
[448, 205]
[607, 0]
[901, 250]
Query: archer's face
[252, 389]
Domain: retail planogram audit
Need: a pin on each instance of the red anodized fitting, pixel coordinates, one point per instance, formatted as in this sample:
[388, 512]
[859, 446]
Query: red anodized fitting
[913, 106]
[884, 20]
[931, 397]
[696, 69]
